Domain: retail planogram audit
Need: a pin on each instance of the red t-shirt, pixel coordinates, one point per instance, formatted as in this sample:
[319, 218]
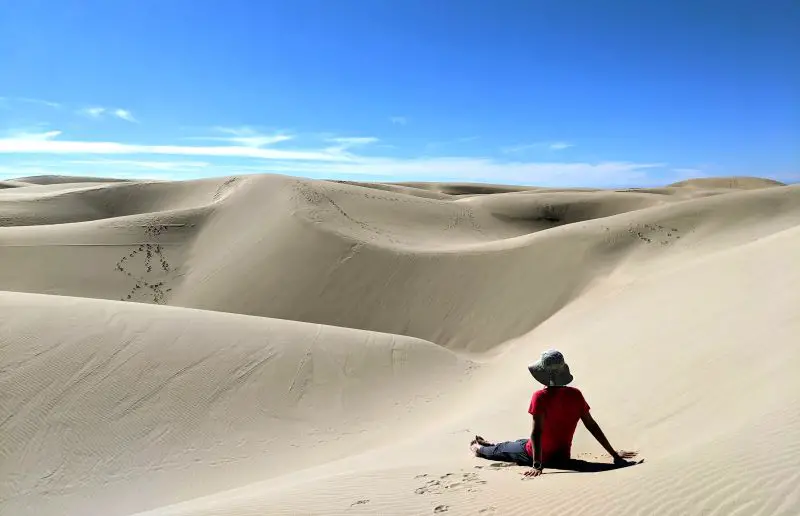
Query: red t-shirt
[561, 408]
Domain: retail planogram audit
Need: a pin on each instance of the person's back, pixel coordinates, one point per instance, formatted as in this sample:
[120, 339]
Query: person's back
[560, 408]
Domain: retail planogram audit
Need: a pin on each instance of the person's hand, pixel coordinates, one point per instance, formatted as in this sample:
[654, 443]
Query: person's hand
[621, 459]
[533, 473]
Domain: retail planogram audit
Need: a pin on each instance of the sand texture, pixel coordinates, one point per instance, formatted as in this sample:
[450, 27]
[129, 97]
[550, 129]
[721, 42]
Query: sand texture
[268, 345]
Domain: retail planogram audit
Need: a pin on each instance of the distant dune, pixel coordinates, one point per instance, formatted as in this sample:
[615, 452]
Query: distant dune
[737, 183]
[275, 345]
[56, 180]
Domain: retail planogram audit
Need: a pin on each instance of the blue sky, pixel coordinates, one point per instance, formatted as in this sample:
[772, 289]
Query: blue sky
[551, 93]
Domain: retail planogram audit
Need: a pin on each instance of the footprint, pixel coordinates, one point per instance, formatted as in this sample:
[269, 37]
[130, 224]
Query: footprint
[359, 502]
[440, 508]
[488, 510]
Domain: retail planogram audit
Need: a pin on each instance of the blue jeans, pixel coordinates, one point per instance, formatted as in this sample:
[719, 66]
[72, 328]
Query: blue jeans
[510, 451]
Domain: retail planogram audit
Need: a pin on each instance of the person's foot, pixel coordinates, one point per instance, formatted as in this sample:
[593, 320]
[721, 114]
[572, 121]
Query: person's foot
[477, 443]
[483, 442]
[474, 447]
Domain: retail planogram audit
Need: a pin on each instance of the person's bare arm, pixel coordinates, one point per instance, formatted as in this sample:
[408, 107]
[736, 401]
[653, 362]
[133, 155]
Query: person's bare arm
[593, 428]
[536, 441]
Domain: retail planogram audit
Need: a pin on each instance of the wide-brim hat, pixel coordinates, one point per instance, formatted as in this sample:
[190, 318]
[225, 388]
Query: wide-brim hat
[551, 369]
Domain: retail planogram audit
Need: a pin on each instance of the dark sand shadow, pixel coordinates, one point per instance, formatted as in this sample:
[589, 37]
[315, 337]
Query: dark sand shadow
[582, 466]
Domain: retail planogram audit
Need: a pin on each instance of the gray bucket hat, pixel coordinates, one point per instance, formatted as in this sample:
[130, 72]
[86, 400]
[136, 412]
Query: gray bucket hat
[551, 369]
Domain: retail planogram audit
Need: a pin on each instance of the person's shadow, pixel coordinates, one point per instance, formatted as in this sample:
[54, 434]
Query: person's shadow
[582, 466]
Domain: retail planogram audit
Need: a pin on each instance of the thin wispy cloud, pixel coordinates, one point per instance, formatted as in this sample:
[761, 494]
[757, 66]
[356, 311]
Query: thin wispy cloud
[100, 112]
[354, 140]
[45, 143]
[124, 114]
[93, 112]
[23, 135]
[526, 147]
[344, 143]
[427, 169]
[486, 169]
[320, 162]
[41, 102]
[28, 100]
[456, 141]
[398, 120]
[513, 149]
[244, 136]
[176, 166]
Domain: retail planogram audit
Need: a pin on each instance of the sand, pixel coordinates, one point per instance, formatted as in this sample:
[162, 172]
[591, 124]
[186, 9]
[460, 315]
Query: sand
[276, 345]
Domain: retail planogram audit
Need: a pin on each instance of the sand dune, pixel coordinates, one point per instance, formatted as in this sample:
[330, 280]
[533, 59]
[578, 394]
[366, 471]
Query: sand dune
[737, 183]
[56, 180]
[115, 399]
[276, 345]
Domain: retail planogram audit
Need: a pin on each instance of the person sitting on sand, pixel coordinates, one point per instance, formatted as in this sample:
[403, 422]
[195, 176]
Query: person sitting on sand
[556, 410]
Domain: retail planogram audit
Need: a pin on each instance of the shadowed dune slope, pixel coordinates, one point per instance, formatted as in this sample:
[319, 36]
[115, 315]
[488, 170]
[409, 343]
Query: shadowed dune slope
[459, 189]
[11, 184]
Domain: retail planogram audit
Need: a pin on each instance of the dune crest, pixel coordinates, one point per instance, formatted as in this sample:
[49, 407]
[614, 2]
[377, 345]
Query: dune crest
[270, 344]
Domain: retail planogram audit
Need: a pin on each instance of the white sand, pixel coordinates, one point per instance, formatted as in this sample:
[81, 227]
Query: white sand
[312, 347]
